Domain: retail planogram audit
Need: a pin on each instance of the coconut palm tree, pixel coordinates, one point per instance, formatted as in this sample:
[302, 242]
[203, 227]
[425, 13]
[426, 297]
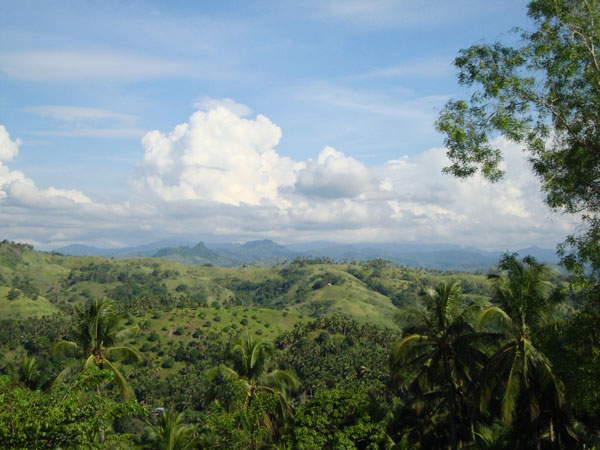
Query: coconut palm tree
[171, 433]
[437, 359]
[29, 373]
[518, 372]
[249, 358]
[95, 343]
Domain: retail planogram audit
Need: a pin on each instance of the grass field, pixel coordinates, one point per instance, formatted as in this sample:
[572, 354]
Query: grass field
[24, 307]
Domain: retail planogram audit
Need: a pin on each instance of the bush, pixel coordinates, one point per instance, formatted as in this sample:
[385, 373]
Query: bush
[178, 331]
[217, 318]
[154, 337]
[244, 322]
[196, 334]
[145, 348]
[168, 364]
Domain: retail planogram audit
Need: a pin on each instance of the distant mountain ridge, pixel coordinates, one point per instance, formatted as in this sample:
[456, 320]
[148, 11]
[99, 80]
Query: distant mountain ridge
[267, 252]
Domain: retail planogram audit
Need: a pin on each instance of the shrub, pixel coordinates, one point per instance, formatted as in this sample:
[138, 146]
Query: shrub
[154, 337]
[145, 348]
[168, 364]
[244, 322]
[178, 331]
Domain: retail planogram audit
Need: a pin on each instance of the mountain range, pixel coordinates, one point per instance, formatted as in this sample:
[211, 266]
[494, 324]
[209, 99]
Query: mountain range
[266, 253]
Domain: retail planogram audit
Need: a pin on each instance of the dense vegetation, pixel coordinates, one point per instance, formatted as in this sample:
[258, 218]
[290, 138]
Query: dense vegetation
[304, 355]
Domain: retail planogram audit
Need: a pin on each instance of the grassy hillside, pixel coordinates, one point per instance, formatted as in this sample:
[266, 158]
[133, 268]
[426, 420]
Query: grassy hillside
[23, 307]
[368, 292]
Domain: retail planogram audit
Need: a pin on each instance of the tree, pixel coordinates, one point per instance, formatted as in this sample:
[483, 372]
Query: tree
[342, 417]
[519, 372]
[171, 433]
[437, 358]
[29, 373]
[95, 342]
[249, 357]
[65, 416]
[544, 94]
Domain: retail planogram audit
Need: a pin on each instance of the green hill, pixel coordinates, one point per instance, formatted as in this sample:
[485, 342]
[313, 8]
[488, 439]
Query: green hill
[369, 292]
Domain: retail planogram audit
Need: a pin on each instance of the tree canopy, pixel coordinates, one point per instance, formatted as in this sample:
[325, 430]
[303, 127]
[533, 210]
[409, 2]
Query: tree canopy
[545, 94]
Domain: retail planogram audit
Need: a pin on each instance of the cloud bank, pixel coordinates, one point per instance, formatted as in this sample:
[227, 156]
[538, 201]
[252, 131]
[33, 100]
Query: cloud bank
[219, 174]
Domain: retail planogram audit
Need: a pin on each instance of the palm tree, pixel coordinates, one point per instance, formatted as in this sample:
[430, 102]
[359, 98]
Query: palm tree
[29, 373]
[437, 358]
[95, 343]
[170, 433]
[249, 357]
[518, 372]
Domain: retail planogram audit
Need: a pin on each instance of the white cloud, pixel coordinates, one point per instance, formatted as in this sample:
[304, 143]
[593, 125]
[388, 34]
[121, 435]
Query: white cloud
[8, 149]
[208, 103]
[401, 14]
[100, 133]
[334, 175]
[17, 189]
[422, 67]
[78, 113]
[70, 66]
[220, 174]
[371, 103]
[217, 156]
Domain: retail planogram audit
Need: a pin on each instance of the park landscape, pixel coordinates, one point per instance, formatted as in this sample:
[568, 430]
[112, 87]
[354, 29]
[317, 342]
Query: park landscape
[256, 347]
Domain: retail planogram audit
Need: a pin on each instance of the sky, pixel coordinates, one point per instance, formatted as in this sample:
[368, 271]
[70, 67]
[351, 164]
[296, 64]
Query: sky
[124, 123]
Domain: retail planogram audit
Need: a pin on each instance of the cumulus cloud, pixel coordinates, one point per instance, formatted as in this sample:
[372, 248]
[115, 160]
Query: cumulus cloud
[208, 103]
[334, 175]
[17, 189]
[220, 174]
[217, 156]
[8, 149]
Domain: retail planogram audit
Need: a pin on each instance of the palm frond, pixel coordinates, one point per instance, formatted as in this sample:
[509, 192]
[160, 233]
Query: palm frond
[511, 390]
[90, 362]
[119, 379]
[126, 353]
[66, 348]
[68, 372]
[119, 336]
[221, 370]
[494, 315]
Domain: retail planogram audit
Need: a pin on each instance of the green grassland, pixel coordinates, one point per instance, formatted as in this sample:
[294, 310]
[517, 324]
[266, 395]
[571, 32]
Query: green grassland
[24, 307]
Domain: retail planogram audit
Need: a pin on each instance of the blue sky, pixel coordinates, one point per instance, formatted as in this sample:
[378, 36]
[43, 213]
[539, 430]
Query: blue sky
[304, 120]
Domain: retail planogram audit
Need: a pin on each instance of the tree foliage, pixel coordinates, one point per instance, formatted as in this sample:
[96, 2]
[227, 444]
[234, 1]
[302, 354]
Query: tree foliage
[544, 94]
